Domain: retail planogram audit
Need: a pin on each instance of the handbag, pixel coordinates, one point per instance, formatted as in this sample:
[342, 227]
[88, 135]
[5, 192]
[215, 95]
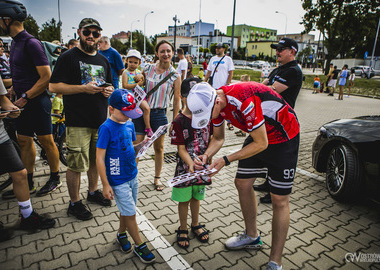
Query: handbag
[211, 78]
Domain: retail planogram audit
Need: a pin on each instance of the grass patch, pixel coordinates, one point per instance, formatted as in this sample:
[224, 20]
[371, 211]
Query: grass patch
[364, 87]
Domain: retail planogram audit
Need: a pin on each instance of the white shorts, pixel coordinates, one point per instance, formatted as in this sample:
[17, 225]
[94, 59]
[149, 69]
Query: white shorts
[332, 83]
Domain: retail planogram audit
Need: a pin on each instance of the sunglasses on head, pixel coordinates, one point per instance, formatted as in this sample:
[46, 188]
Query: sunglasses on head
[87, 32]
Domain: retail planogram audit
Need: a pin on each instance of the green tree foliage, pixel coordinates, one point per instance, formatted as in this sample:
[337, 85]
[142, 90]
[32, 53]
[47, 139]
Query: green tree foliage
[348, 26]
[49, 31]
[119, 46]
[31, 26]
[138, 42]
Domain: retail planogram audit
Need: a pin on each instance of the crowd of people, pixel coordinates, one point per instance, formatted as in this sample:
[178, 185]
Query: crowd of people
[105, 128]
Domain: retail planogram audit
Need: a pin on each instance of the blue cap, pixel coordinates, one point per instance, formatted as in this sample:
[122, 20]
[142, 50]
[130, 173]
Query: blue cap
[124, 101]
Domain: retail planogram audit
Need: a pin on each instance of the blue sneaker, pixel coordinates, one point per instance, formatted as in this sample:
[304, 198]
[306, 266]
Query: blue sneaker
[125, 245]
[142, 251]
[243, 241]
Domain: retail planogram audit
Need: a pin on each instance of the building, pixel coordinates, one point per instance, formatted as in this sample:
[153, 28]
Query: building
[190, 30]
[254, 48]
[180, 42]
[122, 36]
[246, 33]
[306, 38]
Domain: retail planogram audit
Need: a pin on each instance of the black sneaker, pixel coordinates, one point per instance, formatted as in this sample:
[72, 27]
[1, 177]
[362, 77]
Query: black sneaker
[79, 210]
[266, 199]
[5, 233]
[98, 198]
[9, 194]
[36, 222]
[144, 253]
[262, 187]
[49, 187]
[125, 245]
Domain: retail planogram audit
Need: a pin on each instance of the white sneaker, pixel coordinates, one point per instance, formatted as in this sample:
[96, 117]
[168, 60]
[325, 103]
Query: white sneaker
[273, 266]
[243, 241]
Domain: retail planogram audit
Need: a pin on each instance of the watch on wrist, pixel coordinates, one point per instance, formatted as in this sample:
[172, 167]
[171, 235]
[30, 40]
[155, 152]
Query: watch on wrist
[226, 161]
[25, 96]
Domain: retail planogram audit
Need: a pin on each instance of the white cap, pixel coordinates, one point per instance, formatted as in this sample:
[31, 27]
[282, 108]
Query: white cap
[200, 102]
[134, 53]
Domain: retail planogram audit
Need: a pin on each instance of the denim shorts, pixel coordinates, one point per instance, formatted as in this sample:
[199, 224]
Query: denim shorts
[126, 197]
[157, 118]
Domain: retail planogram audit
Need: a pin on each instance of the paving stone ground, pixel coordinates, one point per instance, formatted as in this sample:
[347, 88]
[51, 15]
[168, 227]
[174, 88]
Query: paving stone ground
[322, 231]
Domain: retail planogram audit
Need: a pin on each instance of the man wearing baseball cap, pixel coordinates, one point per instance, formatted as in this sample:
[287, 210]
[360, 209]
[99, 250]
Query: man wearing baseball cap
[220, 69]
[84, 78]
[285, 80]
[271, 152]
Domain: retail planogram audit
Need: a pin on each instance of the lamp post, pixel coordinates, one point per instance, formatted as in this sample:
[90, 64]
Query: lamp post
[144, 30]
[233, 32]
[132, 31]
[199, 29]
[175, 19]
[286, 19]
[373, 50]
[59, 23]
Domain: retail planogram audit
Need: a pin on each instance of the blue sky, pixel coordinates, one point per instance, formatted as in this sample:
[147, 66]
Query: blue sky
[117, 15]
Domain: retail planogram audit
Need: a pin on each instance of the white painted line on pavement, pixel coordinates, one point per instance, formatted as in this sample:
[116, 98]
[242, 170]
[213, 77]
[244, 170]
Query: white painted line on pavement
[163, 247]
[312, 175]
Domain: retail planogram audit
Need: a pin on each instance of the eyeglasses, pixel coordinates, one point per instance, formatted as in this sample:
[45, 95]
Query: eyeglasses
[87, 32]
[280, 49]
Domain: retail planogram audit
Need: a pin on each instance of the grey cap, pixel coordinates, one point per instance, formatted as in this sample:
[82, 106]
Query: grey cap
[88, 22]
[220, 45]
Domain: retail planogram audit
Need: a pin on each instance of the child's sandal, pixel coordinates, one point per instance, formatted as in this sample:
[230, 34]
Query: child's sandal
[200, 236]
[183, 239]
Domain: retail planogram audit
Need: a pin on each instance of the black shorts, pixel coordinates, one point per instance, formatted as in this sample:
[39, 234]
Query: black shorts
[277, 163]
[36, 117]
[10, 161]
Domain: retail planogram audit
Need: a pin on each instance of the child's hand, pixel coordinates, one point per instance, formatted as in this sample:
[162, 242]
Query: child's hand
[191, 168]
[200, 165]
[139, 78]
[108, 192]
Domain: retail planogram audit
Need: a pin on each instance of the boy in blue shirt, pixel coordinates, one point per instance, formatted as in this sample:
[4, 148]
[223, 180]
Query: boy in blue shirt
[115, 160]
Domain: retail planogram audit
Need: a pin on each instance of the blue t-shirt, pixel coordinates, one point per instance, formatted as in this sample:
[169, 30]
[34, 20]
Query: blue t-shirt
[116, 63]
[120, 160]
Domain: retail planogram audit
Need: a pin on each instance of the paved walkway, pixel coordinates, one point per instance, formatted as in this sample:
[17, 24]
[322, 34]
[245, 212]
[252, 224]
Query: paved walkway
[322, 231]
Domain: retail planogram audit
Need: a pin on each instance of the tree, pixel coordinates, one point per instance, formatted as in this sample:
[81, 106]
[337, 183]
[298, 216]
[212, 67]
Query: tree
[49, 31]
[31, 26]
[119, 46]
[348, 26]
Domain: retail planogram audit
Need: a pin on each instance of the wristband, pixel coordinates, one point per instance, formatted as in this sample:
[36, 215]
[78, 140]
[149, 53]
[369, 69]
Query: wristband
[226, 161]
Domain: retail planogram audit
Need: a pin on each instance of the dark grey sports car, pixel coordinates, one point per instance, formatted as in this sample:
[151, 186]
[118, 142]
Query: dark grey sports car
[348, 151]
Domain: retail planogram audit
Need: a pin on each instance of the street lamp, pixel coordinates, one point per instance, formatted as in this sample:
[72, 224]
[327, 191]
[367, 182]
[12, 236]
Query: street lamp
[144, 30]
[132, 31]
[59, 23]
[286, 20]
[199, 29]
[175, 19]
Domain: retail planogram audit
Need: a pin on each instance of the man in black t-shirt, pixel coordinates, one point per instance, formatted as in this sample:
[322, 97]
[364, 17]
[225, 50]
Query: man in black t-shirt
[333, 80]
[285, 80]
[80, 75]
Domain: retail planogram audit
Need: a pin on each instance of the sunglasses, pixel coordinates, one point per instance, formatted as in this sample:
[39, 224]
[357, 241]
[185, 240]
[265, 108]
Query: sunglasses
[87, 32]
[281, 49]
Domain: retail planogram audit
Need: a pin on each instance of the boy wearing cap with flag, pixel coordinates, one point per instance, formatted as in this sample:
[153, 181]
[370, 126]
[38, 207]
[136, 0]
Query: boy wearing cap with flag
[115, 160]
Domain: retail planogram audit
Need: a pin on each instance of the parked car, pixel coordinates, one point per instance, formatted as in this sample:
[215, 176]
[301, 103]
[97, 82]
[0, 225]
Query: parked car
[362, 71]
[347, 150]
[256, 64]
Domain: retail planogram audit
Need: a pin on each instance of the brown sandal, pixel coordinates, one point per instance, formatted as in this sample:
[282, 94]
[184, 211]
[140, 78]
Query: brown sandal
[158, 186]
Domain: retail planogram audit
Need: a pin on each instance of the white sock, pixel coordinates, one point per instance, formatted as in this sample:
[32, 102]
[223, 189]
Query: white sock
[275, 264]
[25, 208]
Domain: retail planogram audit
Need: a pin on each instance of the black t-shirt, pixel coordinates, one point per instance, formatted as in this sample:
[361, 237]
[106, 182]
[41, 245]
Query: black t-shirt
[290, 75]
[335, 74]
[76, 67]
